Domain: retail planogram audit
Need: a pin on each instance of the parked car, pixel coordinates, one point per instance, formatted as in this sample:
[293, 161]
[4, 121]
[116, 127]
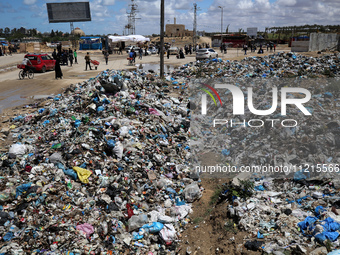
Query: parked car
[152, 50]
[41, 62]
[128, 49]
[206, 53]
[173, 50]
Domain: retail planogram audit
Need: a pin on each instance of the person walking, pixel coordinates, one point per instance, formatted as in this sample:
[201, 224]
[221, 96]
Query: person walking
[106, 56]
[88, 61]
[75, 54]
[245, 48]
[168, 53]
[140, 53]
[57, 69]
[70, 56]
[54, 54]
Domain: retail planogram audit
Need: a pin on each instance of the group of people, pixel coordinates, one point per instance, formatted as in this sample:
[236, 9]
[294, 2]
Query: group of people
[270, 46]
[63, 57]
[224, 48]
[10, 48]
[66, 56]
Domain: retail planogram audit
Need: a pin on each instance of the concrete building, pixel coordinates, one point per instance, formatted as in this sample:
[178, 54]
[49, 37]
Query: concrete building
[177, 30]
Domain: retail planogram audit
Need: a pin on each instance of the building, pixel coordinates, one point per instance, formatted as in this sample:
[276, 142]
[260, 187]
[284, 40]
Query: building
[78, 31]
[177, 30]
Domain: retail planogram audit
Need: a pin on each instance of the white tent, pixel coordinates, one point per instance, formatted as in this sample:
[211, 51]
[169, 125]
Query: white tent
[128, 38]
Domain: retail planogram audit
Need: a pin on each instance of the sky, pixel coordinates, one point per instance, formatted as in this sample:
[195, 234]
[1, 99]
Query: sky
[110, 16]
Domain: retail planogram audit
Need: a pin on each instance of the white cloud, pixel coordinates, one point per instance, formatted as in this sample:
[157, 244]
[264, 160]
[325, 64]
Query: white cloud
[238, 13]
[30, 2]
[245, 4]
[286, 2]
[109, 2]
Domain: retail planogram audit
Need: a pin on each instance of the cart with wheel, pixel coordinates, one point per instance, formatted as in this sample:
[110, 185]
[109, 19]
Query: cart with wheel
[95, 63]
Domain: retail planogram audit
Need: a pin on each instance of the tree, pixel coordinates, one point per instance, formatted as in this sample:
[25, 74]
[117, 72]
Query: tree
[7, 30]
[13, 31]
[52, 34]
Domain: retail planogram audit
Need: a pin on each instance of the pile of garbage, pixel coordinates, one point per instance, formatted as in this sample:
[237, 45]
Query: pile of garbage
[294, 210]
[285, 216]
[99, 169]
[103, 168]
[280, 64]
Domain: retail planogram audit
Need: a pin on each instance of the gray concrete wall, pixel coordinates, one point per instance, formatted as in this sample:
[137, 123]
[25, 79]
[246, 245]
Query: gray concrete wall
[321, 41]
[300, 46]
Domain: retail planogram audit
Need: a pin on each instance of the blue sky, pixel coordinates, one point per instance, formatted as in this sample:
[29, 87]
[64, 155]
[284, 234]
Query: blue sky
[109, 16]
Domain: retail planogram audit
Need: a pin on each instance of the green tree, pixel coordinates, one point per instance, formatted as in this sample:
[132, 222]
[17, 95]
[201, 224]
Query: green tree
[52, 34]
[7, 30]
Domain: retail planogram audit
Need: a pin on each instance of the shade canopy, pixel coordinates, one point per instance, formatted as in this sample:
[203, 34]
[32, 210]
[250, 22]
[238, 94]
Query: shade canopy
[128, 38]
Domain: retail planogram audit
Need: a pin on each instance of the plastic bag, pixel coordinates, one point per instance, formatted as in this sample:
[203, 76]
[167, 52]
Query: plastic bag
[17, 149]
[83, 174]
[86, 228]
[56, 157]
[192, 192]
[20, 189]
[137, 221]
[153, 227]
[118, 150]
[71, 173]
[168, 233]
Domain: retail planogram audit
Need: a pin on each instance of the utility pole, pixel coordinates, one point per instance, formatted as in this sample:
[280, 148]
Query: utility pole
[221, 28]
[195, 25]
[162, 41]
[194, 30]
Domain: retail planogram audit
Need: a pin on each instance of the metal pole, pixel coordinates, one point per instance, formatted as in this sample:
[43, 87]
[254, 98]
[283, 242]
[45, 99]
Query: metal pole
[162, 41]
[194, 32]
[221, 29]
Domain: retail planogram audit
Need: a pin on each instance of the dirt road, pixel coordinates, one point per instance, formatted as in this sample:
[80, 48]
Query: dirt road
[15, 92]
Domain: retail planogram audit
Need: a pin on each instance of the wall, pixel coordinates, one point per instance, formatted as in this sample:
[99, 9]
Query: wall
[321, 41]
[300, 46]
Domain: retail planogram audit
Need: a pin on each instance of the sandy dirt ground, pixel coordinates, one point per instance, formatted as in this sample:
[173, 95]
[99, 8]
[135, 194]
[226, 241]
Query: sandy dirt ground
[15, 92]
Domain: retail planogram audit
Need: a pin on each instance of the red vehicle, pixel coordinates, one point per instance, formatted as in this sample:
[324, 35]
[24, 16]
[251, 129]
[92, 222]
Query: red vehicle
[41, 62]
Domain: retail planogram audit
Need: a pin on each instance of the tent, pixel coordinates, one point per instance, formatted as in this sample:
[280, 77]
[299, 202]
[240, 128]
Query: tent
[90, 43]
[128, 38]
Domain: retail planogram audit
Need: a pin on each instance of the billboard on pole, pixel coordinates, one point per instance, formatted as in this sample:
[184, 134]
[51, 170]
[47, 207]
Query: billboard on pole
[68, 12]
[252, 31]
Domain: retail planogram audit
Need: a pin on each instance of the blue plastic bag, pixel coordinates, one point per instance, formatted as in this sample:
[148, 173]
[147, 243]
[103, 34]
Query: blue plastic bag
[153, 227]
[332, 236]
[111, 143]
[20, 189]
[259, 188]
[71, 173]
[136, 236]
[336, 252]
[309, 221]
[8, 236]
[330, 225]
